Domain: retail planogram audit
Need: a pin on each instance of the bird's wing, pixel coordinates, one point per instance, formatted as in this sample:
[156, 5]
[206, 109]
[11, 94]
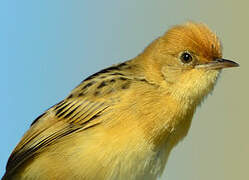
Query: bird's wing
[80, 111]
[66, 118]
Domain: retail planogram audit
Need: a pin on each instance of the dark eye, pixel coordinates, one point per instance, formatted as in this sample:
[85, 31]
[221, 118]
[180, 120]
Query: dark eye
[186, 57]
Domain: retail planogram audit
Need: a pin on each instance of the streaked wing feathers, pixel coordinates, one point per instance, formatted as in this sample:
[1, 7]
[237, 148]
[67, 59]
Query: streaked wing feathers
[79, 111]
[63, 119]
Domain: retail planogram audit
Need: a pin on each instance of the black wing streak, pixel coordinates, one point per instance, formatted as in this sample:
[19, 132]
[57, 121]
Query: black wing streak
[118, 67]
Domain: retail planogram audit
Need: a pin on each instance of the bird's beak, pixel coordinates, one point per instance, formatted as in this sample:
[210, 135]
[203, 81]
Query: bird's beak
[218, 64]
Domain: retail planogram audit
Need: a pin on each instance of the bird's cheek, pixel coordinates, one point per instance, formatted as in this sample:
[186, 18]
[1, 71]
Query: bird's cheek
[171, 74]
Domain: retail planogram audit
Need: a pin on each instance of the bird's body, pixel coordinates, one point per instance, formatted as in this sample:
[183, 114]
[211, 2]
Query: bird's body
[122, 122]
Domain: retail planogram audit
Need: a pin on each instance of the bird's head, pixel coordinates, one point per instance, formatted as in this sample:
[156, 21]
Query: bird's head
[187, 59]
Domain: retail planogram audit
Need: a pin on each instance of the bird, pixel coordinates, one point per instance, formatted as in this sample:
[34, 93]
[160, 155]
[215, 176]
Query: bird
[122, 122]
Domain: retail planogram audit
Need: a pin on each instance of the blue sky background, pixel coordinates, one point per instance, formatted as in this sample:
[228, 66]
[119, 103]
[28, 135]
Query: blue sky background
[48, 47]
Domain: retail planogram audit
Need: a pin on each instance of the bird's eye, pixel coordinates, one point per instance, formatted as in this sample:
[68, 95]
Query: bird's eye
[186, 57]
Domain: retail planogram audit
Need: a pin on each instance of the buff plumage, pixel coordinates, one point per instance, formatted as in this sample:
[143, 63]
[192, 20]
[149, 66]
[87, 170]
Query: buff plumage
[122, 122]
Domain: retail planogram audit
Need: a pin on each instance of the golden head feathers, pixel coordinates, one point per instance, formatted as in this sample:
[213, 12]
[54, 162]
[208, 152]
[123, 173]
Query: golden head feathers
[194, 37]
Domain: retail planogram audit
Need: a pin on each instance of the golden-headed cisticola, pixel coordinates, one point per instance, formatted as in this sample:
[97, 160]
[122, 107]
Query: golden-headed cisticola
[122, 122]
